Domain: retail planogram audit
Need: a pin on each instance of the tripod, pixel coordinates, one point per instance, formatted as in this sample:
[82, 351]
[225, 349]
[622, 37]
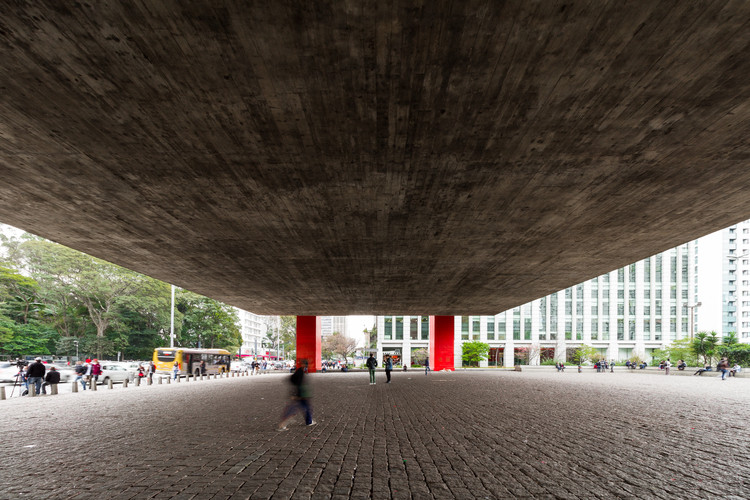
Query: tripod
[18, 383]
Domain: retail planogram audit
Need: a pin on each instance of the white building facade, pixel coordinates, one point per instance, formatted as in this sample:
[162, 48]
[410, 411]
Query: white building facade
[253, 328]
[625, 313]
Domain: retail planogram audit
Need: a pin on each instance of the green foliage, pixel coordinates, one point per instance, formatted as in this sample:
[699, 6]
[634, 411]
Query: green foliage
[585, 353]
[704, 344]
[678, 349]
[736, 353]
[548, 362]
[730, 339]
[207, 323]
[474, 352]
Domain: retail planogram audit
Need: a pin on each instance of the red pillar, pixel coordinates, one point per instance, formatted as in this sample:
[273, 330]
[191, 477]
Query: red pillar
[308, 342]
[441, 342]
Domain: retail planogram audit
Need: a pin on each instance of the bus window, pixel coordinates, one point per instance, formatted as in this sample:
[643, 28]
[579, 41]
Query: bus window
[165, 355]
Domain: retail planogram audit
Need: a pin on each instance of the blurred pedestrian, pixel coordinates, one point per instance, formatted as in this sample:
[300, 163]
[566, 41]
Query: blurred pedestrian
[203, 367]
[80, 371]
[35, 373]
[667, 366]
[371, 365]
[388, 368]
[300, 398]
[426, 366]
[151, 370]
[52, 378]
[723, 366]
[175, 370]
[96, 370]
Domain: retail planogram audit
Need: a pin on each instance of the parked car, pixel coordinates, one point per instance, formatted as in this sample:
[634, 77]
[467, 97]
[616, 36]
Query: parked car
[240, 367]
[8, 372]
[115, 372]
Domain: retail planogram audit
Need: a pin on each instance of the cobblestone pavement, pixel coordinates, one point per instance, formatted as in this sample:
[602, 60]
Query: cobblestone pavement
[534, 434]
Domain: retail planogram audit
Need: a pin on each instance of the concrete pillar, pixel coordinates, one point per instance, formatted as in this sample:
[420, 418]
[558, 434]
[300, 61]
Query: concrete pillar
[110, 385]
[308, 342]
[92, 384]
[442, 343]
[169, 380]
[2, 393]
[75, 386]
[53, 389]
[125, 384]
[149, 381]
[160, 380]
[32, 390]
[178, 380]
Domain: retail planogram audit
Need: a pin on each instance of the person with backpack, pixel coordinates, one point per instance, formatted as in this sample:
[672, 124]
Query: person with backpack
[388, 368]
[300, 399]
[371, 364]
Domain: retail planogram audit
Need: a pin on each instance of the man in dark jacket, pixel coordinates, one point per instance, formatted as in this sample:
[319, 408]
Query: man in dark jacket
[300, 399]
[36, 374]
[52, 378]
[371, 364]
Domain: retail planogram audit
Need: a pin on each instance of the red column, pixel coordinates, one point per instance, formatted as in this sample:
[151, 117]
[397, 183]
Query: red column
[308, 342]
[441, 342]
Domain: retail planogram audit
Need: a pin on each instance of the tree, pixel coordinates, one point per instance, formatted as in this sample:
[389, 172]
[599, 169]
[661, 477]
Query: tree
[527, 355]
[474, 352]
[730, 339]
[585, 353]
[340, 345]
[371, 336]
[678, 349]
[704, 344]
[419, 356]
[736, 353]
[207, 323]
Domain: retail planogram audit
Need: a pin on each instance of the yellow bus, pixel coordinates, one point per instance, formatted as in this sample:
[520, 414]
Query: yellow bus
[189, 360]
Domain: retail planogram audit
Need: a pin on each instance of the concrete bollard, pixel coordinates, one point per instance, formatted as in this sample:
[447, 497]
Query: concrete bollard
[75, 386]
[169, 380]
[125, 384]
[137, 381]
[2, 393]
[109, 384]
[150, 381]
[53, 389]
[93, 384]
[160, 380]
[177, 380]
[32, 390]
[201, 377]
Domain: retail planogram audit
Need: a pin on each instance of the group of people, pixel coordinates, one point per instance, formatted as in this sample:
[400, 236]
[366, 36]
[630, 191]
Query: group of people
[37, 375]
[146, 371]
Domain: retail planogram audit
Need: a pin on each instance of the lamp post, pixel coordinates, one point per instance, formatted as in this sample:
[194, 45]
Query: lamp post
[692, 309]
[76, 343]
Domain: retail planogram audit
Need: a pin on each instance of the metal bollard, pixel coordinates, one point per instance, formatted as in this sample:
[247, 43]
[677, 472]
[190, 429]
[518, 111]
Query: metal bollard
[75, 386]
[2, 393]
[125, 384]
[53, 389]
[109, 384]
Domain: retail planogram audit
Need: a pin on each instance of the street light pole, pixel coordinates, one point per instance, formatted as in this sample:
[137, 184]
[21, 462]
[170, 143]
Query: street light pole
[171, 323]
[692, 309]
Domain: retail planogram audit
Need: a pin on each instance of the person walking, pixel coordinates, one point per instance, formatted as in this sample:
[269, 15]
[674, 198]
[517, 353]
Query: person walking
[80, 371]
[426, 366]
[96, 370]
[151, 371]
[667, 366]
[52, 378]
[175, 370]
[300, 399]
[388, 368]
[371, 364]
[35, 373]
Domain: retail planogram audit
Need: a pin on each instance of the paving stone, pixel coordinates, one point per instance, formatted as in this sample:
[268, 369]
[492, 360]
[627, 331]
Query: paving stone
[458, 435]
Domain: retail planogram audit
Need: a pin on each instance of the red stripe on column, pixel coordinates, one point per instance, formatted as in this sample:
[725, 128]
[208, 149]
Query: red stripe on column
[442, 342]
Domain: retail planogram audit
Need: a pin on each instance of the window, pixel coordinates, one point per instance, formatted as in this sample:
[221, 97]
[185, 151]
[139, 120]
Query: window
[399, 328]
[605, 330]
[464, 328]
[414, 328]
[527, 328]
[388, 329]
[516, 324]
[620, 329]
[501, 327]
[490, 329]
[425, 328]
[594, 329]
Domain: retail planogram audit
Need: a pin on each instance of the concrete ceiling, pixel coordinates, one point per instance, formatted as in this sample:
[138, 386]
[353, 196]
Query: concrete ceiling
[367, 157]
